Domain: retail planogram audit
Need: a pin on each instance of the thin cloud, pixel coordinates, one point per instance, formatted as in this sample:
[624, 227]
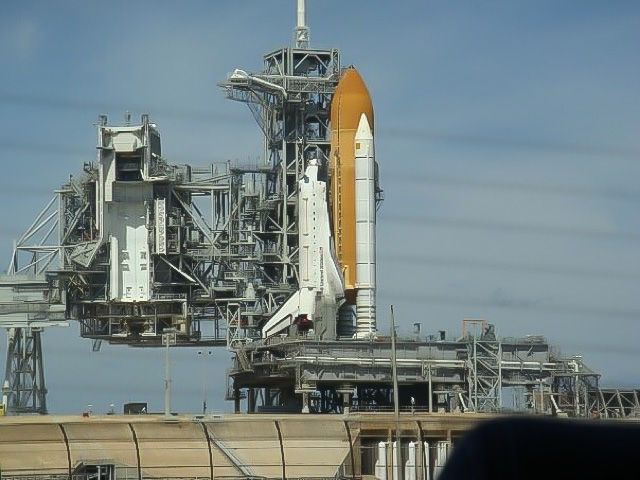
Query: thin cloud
[20, 38]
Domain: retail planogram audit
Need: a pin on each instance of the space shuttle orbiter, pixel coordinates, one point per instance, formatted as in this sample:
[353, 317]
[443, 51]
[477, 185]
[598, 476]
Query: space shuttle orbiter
[321, 289]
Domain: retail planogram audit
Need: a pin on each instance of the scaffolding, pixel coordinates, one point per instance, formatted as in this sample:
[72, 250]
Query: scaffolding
[435, 374]
[25, 385]
[290, 102]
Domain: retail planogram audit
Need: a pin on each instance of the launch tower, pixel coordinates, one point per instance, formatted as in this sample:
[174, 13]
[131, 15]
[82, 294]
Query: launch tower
[290, 100]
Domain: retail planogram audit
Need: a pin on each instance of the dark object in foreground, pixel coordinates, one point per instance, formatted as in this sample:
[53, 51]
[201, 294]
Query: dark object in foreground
[528, 448]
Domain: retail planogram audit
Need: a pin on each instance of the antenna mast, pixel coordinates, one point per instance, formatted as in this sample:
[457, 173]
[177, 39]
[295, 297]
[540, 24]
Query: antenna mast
[302, 31]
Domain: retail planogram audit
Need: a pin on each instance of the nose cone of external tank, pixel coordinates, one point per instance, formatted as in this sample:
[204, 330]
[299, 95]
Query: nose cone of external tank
[350, 100]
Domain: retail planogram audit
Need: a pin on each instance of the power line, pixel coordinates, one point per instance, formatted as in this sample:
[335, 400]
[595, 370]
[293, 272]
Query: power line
[472, 224]
[432, 221]
[420, 135]
[582, 272]
[403, 133]
[37, 101]
[413, 177]
[603, 349]
[608, 314]
[516, 187]
[25, 190]
[49, 149]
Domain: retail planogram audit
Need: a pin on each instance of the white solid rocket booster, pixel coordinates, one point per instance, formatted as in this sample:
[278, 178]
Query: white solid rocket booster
[365, 173]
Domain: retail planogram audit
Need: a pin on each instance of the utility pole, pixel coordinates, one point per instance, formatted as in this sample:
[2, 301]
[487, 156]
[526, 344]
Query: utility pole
[204, 380]
[168, 338]
[396, 394]
[430, 391]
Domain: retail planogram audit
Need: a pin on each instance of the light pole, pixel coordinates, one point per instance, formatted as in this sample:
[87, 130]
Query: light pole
[204, 380]
[168, 339]
[396, 399]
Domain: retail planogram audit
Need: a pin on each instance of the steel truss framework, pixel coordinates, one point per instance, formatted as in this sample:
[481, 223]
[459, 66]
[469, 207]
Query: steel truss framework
[614, 403]
[26, 308]
[185, 275]
[290, 101]
[231, 237]
[466, 374]
[231, 256]
[24, 372]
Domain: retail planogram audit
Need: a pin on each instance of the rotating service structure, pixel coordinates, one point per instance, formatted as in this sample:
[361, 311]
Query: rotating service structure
[134, 253]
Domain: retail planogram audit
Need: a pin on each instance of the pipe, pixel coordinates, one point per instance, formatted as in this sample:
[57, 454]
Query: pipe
[242, 75]
[302, 31]
[302, 14]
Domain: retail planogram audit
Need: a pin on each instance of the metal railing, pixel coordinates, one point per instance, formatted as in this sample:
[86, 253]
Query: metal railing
[90, 476]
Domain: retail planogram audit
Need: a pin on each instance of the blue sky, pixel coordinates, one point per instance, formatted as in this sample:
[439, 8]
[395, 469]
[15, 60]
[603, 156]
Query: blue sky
[507, 137]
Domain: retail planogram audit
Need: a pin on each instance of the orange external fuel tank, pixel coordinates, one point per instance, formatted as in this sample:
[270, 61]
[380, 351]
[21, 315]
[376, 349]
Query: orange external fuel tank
[350, 100]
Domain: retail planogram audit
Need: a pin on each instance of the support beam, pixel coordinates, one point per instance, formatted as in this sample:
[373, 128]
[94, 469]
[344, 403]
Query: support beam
[236, 400]
[24, 372]
[251, 400]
